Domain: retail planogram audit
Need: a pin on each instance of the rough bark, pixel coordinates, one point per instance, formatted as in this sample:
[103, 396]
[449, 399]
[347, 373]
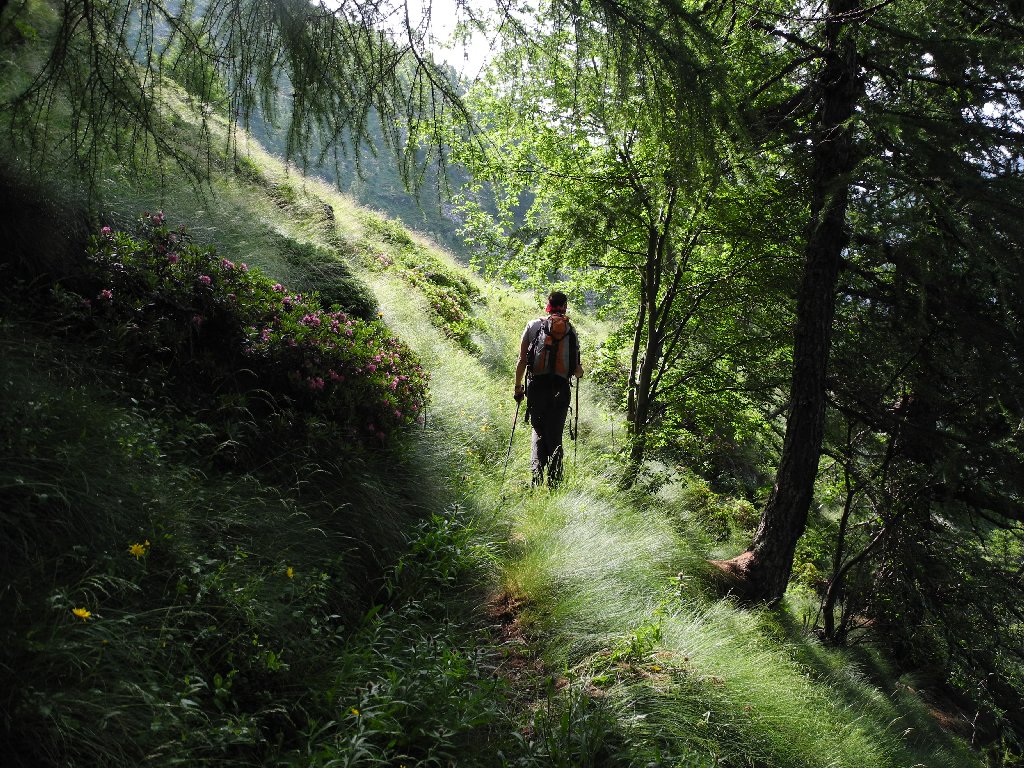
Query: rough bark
[652, 346]
[763, 572]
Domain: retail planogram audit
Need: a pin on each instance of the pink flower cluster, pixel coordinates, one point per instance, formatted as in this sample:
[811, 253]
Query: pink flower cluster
[342, 368]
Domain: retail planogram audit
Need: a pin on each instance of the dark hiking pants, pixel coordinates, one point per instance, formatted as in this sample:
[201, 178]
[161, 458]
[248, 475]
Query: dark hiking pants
[548, 397]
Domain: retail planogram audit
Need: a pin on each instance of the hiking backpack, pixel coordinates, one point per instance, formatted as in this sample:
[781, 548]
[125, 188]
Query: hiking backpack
[555, 348]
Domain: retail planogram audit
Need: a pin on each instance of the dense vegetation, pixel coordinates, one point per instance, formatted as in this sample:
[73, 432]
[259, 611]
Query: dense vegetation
[237, 527]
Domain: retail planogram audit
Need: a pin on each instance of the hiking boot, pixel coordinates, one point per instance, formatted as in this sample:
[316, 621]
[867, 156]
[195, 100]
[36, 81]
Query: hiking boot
[555, 468]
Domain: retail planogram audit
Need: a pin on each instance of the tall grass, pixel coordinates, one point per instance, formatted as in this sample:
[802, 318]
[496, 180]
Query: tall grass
[612, 589]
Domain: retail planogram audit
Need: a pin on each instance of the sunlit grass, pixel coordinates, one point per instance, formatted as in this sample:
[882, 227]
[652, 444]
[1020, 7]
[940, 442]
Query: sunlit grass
[595, 570]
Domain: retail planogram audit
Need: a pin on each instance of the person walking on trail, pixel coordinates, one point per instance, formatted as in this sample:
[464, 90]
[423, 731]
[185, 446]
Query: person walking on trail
[549, 355]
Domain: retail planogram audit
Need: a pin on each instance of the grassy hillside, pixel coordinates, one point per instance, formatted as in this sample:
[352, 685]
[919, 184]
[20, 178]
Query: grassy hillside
[335, 603]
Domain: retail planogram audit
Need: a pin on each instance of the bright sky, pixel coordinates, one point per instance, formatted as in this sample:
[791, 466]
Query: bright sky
[467, 57]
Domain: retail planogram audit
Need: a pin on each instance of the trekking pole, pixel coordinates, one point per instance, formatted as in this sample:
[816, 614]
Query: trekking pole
[576, 429]
[515, 420]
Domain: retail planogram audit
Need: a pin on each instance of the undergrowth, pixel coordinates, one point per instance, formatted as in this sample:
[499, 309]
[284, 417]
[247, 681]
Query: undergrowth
[450, 295]
[155, 613]
[227, 338]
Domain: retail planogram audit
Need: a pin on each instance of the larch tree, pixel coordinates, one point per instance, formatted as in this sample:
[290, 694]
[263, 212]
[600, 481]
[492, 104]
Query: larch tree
[924, 100]
[858, 98]
[111, 61]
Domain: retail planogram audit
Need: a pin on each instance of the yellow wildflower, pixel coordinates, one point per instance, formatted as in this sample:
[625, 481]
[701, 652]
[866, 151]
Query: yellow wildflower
[82, 613]
[138, 550]
[354, 711]
[290, 572]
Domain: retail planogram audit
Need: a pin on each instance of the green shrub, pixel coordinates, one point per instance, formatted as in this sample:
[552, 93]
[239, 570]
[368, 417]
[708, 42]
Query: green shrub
[450, 295]
[248, 170]
[222, 330]
[315, 268]
[339, 288]
[574, 730]
[158, 614]
[705, 507]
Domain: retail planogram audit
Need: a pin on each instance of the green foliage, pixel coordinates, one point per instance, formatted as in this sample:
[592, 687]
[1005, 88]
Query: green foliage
[572, 729]
[315, 268]
[222, 330]
[813, 559]
[442, 551]
[413, 692]
[644, 204]
[451, 296]
[105, 93]
[696, 508]
[250, 171]
[155, 614]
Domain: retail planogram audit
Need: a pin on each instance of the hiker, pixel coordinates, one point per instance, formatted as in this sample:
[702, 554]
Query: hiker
[549, 354]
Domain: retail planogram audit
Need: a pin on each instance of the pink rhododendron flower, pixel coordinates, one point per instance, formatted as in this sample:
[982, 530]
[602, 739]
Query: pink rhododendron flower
[371, 367]
[244, 267]
[106, 232]
[172, 258]
[205, 279]
[227, 264]
[278, 288]
[106, 293]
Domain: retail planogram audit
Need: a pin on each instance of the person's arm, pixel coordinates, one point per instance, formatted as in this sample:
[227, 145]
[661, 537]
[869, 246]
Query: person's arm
[524, 352]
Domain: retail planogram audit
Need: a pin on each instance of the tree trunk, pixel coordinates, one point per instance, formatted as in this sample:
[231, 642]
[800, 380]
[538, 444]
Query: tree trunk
[762, 573]
[634, 360]
[652, 355]
[652, 348]
[835, 582]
